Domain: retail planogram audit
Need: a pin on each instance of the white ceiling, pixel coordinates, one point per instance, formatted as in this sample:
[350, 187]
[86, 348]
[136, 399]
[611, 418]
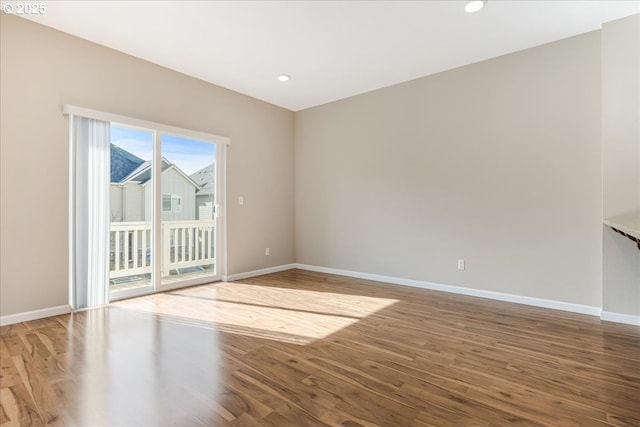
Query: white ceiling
[331, 49]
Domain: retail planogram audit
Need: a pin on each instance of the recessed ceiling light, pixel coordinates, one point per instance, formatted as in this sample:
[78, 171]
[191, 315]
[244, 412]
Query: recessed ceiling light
[474, 6]
[284, 77]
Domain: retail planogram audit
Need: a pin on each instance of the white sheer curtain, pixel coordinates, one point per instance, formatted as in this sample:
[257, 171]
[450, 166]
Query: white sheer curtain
[90, 242]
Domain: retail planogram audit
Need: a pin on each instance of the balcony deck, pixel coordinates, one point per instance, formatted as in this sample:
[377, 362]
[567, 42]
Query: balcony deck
[145, 280]
[188, 251]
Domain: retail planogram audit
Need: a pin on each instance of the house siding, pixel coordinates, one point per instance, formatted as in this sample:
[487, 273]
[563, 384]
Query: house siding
[115, 202]
[134, 206]
[173, 183]
[204, 206]
[126, 202]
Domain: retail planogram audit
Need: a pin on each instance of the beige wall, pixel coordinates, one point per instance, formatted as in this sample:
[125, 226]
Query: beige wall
[498, 163]
[41, 69]
[621, 161]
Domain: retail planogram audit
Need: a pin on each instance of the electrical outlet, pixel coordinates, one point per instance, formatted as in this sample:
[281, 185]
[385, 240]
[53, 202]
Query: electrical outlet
[460, 264]
[267, 251]
[241, 200]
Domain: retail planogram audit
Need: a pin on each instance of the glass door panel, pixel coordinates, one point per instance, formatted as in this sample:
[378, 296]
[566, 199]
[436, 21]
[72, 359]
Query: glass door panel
[188, 191]
[131, 211]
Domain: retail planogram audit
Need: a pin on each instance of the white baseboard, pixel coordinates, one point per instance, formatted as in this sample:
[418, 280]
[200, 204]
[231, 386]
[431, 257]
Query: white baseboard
[537, 302]
[629, 319]
[34, 314]
[246, 275]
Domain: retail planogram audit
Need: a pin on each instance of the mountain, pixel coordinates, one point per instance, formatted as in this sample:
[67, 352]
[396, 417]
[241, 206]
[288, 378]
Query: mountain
[122, 163]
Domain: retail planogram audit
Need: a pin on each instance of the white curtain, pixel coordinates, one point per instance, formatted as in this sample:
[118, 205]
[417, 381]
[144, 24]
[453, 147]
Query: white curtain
[90, 250]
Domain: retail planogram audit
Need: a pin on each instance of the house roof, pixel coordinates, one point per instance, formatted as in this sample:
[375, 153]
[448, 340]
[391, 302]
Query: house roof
[142, 173]
[126, 167]
[206, 179]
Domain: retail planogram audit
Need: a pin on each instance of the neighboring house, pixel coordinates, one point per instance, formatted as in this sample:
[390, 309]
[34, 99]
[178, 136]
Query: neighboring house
[126, 198]
[205, 196]
[131, 195]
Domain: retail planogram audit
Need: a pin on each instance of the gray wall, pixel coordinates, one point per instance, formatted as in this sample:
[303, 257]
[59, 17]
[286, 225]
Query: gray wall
[498, 163]
[621, 161]
[41, 69]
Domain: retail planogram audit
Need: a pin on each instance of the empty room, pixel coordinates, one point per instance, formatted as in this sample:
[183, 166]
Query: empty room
[320, 213]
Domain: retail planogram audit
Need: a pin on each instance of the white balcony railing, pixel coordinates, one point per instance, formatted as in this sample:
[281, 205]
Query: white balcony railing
[185, 244]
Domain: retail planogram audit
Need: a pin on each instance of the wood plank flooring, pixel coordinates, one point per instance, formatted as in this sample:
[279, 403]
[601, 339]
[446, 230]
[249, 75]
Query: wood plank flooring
[298, 348]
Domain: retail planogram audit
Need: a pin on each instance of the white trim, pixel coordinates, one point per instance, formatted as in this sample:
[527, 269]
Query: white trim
[74, 110]
[221, 209]
[187, 283]
[156, 212]
[629, 319]
[10, 319]
[71, 232]
[537, 302]
[131, 293]
[246, 275]
[148, 290]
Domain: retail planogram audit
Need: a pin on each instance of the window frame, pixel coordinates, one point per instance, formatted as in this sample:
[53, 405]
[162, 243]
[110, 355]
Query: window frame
[172, 206]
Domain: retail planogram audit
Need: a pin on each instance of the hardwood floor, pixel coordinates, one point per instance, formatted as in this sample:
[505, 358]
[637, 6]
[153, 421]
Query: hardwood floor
[307, 349]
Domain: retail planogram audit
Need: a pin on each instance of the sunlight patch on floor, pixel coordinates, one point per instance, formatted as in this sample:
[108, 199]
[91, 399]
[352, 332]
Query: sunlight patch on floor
[284, 314]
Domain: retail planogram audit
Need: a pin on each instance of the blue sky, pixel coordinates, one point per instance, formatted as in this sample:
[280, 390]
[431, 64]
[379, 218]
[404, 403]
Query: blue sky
[190, 155]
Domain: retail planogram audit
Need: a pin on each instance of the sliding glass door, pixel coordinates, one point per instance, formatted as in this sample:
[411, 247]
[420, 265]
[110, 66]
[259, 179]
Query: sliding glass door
[163, 232]
[188, 204]
[131, 254]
